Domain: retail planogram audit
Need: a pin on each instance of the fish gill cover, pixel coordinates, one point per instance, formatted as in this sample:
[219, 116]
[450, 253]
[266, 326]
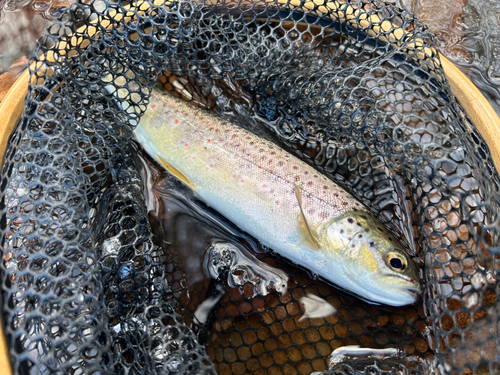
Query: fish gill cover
[355, 88]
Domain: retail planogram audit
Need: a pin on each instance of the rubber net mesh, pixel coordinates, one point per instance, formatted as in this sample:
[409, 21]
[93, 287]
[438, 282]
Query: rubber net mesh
[355, 88]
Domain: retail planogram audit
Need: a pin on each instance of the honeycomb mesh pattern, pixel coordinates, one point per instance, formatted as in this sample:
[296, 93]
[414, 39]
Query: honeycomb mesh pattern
[267, 335]
[355, 88]
[147, 335]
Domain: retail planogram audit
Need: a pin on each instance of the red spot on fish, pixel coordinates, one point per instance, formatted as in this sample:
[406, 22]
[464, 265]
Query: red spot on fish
[153, 106]
[242, 180]
[194, 157]
[412, 281]
[209, 141]
[211, 165]
[277, 202]
[176, 121]
[234, 176]
[260, 167]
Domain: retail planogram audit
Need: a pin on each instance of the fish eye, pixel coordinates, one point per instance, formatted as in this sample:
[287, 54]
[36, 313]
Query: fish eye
[397, 262]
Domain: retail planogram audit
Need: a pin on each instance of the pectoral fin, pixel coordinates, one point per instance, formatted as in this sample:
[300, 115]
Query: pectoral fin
[308, 236]
[176, 172]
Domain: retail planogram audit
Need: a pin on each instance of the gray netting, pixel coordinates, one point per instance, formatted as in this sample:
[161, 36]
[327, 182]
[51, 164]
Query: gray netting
[355, 88]
[145, 332]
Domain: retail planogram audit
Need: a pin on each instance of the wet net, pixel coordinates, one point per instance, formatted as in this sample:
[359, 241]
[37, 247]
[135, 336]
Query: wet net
[355, 88]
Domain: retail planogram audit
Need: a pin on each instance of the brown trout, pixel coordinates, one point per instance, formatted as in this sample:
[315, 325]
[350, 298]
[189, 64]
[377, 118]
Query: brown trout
[279, 199]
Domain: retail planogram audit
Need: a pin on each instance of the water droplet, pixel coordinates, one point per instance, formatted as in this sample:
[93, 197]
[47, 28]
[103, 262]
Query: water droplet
[471, 300]
[478, 281]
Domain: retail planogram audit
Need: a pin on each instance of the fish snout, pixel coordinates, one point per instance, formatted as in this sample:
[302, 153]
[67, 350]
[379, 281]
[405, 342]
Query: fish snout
[413, 288]
[406, 289]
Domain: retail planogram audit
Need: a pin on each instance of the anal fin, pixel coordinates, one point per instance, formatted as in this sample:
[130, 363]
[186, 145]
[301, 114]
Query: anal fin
[308, 236]
[174, 171]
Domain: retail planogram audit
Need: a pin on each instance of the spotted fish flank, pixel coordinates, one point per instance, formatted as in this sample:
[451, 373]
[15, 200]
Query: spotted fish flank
[280, 200]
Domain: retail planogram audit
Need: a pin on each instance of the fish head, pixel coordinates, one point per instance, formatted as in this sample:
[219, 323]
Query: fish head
[374, 264]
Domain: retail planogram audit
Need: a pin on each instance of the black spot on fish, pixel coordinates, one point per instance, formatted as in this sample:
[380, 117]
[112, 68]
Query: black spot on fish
[350, 221]
[341, 231]
[367, 230]
[360, 235]
[372, 244]
[359, 225]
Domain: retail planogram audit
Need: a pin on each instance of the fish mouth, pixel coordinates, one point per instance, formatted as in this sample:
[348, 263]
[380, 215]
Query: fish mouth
[411, 280]
[415, 288]
[401, 296]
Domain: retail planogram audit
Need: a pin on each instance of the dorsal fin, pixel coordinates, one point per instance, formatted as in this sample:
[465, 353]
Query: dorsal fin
[309, 238]
[169, 167]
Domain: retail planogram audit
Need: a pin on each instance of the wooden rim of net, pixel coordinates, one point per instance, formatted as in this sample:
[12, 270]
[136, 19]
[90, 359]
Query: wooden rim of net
[474, 103]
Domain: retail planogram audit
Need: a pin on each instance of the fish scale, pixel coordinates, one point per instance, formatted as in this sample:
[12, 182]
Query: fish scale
[279, 199]
[277, 171]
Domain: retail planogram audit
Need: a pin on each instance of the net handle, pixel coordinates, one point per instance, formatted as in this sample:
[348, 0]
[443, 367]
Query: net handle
[474, 103]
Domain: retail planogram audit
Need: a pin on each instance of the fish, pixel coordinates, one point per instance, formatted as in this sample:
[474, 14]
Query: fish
[279, 199]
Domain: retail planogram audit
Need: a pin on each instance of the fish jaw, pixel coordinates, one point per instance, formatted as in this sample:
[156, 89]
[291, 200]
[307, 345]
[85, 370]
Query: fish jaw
[400, 297]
